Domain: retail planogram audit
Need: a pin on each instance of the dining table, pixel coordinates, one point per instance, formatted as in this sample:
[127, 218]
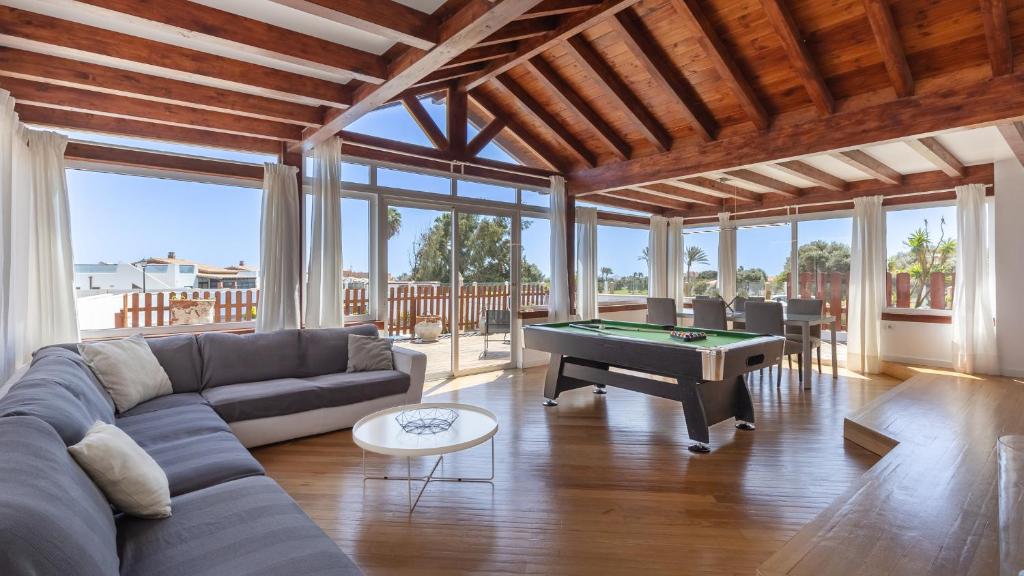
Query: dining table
[802, 321]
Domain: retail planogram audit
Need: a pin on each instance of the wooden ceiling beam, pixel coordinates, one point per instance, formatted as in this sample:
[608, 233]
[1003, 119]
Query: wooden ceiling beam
[558, 8]
[774, 186]
[680, 194]
[889, 44]
[425, 122]
[804, 170]
[608, 199]
[799, 56]
[464, 29]
[484, 137]
[613, 87]
[662, 70]
[384, 18]
[74, 99]
[1013, 134]
[996, 21]
[457, 119]
[233, 31]
[641, 195]
[64, 38]
[933, 151]
[519, 131]
[56, 118]
[869, 165]
[569, 27]
[723, 61]
[72, 73]
[449, 74]
[573, 101]
[722, 189]
[482, 54]
[520, 30]
[126, 157]
[534, 108]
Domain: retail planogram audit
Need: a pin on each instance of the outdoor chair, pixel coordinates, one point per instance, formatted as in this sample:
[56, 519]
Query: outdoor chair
[813, 307]
[496, 322]
[767, 318]
[739, 305]
[661, 311]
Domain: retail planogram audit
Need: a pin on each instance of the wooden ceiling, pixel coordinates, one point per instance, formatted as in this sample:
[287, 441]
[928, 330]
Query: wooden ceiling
[665, 106]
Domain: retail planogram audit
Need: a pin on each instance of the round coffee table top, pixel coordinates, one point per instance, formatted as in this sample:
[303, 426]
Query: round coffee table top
[380, 432]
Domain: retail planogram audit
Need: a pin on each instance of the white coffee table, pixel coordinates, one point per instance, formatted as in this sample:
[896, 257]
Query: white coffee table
[380, 433]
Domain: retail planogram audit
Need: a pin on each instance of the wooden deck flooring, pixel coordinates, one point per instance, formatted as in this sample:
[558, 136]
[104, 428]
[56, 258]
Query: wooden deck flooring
[598, 485]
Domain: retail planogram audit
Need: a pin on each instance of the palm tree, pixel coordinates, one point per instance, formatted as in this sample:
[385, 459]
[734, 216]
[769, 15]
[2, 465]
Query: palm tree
[394, 222]
[694, 255]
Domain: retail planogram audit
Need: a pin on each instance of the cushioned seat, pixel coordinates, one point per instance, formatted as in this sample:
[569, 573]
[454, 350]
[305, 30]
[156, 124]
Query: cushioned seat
[165, 402]
[162, 426]
[244, 527]
[252, 400]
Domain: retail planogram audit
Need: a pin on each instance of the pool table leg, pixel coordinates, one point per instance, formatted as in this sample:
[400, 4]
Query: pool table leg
[551, 379]
[744, 405]
[696, 418]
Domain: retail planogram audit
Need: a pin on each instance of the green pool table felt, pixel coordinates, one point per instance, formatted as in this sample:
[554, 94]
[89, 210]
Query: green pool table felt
[654, 333]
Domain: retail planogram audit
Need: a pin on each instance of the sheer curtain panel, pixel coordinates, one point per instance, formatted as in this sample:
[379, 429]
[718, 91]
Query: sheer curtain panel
[726, 256]
[867, 286]
[974, 331]
[280, 261]
[586, 255]
[324, 305]
[657, 258]
[558, 299]
[676, 270]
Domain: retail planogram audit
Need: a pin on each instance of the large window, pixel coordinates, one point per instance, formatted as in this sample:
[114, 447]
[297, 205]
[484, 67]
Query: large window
[824, 263]
[762, 253]
[621, 263]
[921, 246]
[355, 251]
[700, 261]
[535, 266]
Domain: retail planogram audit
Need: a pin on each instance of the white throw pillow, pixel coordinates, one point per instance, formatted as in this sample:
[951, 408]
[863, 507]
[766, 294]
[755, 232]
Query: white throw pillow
[128, 370]
[127, 475]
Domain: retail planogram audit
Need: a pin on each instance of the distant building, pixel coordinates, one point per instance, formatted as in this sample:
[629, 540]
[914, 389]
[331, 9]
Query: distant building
[170, 273]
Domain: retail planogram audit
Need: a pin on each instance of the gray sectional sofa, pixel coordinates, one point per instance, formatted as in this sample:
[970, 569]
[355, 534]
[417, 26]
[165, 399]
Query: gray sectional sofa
[228, 518]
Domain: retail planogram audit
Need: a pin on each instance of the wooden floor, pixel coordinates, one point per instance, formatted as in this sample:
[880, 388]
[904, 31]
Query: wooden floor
[598, 485]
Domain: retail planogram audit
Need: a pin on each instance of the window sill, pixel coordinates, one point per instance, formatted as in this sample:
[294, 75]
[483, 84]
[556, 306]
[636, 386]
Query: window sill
[920, 315]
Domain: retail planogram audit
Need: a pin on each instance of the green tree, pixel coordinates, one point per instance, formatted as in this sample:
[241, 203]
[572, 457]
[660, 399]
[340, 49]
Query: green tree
[923, 257]
[606, 274]
[693, 255]
[748, 278]
[816, 256]
[394, 222]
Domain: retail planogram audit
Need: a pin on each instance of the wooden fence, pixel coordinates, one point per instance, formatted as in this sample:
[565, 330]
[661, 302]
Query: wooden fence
[407, 304]
[898, 293]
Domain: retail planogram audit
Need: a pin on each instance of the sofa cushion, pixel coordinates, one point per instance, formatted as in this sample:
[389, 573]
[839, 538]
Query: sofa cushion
[128, 370]
[233, 358]
[244, 527]
[166, 402]
[179, 355]
[68, 368]
[193, 446]
[325, 350]
[54, 404]
[53, 519]
[249, 401]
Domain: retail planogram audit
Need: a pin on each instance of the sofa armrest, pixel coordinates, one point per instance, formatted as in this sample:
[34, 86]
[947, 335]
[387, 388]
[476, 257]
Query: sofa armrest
[414, 364]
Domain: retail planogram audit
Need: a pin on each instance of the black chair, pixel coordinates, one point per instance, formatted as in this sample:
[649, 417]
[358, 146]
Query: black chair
[496, 322]
[767, 318]
[813, 307]
[710, 313]
[661, 311]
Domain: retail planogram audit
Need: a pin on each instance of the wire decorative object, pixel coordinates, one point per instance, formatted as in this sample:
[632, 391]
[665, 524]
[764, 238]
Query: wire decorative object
[423, 421]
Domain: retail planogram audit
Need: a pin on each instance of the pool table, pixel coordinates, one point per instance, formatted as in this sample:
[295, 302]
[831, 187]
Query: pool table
[708, 373]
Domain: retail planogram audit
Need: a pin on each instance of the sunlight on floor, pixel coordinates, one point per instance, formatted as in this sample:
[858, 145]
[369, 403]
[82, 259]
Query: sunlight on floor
[942, 372]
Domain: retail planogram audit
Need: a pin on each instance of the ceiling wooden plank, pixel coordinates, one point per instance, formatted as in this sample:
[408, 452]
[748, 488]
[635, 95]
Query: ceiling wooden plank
[799, 56]
[804, 170]
[613, 87]
[75, 74]
[774, 186]
[642, 195]
[1013, 134]
[996, 22]
[52, 117]
[451, 73]
[723, 61]
[66, 37]
[482, 54]
[991, 100]
[933, 151]
[484, 137]
[231, 30]
[889, 44]
[532, 106]
[676, 189]
[473, 22]
[573, 101]
[385, 18]
[721, 188]
[558, 8]
[115, 156]
[75, 99]
[425, 122]
[869, 165]
[521, 30]
[662, 70]
[570, 26]
[520, 132]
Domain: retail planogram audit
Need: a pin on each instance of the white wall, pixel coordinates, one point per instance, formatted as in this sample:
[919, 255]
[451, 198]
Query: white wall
[1009, 265]
[917, 343]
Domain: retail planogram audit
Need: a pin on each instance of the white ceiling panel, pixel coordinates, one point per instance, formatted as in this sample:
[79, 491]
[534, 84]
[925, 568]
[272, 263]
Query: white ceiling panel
[836, 168]
[900, 157]
[786, 177]
[976, 146]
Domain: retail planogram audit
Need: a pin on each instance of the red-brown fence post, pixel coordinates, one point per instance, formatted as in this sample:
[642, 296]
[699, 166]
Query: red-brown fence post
[903, 290]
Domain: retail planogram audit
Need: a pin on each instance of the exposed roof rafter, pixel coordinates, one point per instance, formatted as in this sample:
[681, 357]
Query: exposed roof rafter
[889, 44]
[799, 56]
[869, 165]
[384, 18]
[933, 151]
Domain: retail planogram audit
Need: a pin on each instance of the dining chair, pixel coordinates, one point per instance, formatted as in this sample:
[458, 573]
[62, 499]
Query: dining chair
[767, 318]
[661, 311]
[739, 304]
[710, 314]
[810, 306]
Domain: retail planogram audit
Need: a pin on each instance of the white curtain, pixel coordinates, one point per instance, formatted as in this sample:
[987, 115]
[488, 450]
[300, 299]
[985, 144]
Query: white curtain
[974, 332]
[324, 305]
[657, 258]
[676, 269]
[280, 267]
[558, 300]
[867, 286]
[726, 257]
[36, 264]
[586, 257]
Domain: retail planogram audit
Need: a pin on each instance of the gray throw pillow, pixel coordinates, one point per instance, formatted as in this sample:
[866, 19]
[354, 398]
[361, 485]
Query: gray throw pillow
[367, 353]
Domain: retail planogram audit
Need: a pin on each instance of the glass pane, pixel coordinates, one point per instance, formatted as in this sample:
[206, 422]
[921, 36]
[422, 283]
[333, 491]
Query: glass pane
[700, 261]
[493, 192]
[492, 151]
[119, 254]
[824, 257]
[355, 252]
[391, 178]
[535, 269]
[485, 274]
[172, 147]
[621, 264]
[921, 257]
[350, 172]
[392, 122]
[534, 198]
[761, 256]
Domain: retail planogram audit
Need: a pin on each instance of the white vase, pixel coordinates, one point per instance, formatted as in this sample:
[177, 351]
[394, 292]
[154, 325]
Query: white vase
[428, 331]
